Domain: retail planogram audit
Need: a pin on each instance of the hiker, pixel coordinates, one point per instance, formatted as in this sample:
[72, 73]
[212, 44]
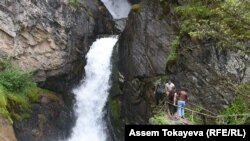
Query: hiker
[159, 92]
[181, 102]
[172, 97]
[169, 86]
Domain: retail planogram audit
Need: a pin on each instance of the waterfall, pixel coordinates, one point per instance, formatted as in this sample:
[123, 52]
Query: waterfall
[92, 94]
[118, 8]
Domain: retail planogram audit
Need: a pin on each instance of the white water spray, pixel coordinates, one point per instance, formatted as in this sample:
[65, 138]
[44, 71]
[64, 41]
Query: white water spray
[91, 95]
[118, 8]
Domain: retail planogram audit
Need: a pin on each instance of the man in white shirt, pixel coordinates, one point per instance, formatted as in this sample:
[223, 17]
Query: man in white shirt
[170, 86]
[171, 94]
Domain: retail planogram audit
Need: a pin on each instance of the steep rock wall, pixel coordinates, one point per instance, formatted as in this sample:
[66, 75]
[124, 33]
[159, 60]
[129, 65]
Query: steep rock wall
[49, 37]
[48, 120]
[143, 48]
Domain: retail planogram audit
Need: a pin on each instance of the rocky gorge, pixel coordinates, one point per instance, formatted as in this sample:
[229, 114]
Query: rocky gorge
[50, 39]
[211, 74]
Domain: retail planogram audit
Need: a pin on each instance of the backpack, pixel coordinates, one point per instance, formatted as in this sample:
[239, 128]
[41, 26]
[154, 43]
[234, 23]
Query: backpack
[161, 88]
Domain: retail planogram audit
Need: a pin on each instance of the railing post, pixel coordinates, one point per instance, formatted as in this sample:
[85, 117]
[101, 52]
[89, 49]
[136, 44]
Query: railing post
[235, 118]
[192, 116]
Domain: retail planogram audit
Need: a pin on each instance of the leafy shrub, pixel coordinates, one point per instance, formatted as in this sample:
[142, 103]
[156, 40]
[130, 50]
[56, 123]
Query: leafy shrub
[173, 51]
[17, 92]
[239, 106]
[223, 21]
[75, 3]
[14, 80]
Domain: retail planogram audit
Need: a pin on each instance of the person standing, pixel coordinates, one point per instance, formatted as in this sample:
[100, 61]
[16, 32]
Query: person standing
[169, 86]
[160, 91]
[181, 103]
[172, 96]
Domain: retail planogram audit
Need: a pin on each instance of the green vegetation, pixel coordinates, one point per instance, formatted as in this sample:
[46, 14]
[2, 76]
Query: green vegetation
[159, 119]
[75, 3]
[239, 106]
[136, 7]
[114, 105]
[224, 21]
[13, 79]
[17, 92]
[173, 51]
[194, 118]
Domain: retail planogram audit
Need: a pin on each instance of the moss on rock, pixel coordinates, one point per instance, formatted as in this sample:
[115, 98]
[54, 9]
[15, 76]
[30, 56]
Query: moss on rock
[114, 105]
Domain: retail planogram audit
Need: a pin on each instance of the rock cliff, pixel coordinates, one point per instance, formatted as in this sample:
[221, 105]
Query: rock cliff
[50, 38]
[48, 120]
[6, 130]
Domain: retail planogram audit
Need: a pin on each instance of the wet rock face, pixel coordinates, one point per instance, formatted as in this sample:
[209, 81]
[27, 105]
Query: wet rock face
[50, 37]
[210, 73]
[48, 120]
[143, 45]
[143, 49]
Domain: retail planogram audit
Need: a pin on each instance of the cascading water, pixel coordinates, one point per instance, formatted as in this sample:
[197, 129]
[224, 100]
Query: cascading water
[118, 8]
[91, 95]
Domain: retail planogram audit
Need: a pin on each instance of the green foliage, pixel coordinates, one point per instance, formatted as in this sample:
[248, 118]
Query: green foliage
[13, 80]
[173, 51]
[226, 22]
[193, 10]
[32, 92]
[159, 119]
[136, 7]
[4, 104]
[17, 92]
[195, 118]
[75, 3]
[239, 106]
[114, 105]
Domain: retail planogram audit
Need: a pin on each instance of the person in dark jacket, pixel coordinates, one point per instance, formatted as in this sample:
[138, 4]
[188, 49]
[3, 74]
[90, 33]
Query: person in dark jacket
[172, 99]
[160, 92]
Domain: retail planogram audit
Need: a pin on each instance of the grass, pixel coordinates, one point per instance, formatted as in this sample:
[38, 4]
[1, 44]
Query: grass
[240, 105]
[159, 119]
[17, 92]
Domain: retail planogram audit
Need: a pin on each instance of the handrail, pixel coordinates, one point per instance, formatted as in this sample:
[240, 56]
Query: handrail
[246, 114]
[202, 108]
[207, 115]
[194, 111]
